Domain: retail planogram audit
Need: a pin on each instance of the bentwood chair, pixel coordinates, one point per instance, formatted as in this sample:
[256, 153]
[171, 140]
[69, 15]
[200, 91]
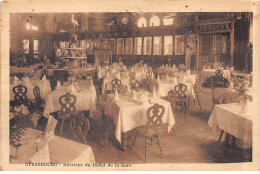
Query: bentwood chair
[115, 84]
[20, 96]
[181, 98]
[78, 122]
[197, 89]
[38, 101]
[152, 128]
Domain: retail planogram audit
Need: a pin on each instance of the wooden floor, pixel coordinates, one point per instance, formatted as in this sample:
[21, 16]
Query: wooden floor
[194, 142]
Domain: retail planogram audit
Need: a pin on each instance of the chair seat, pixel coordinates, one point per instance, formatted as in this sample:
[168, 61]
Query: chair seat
[149, 131]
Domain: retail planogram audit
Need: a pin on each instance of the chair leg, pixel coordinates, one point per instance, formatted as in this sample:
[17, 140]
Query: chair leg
[134, 141]
[146, 147]
[151, 140]
[106, 138]
[73, 129]
[221, 134]
[234, 141]
[160, 146]
[61, 127]
[198, 101]
[173, 132]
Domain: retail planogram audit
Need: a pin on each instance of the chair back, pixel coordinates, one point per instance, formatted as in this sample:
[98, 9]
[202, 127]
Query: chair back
[225, 99]
[180, 91]
[68, 108]
[198, 85]
[20, 94]
[149, 75]
[219, 73]
[154, 117]
[36, 93]
[115, 84]
[171, 95]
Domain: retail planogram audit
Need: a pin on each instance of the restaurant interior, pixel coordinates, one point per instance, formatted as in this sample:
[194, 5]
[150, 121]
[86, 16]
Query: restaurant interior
[132, 88]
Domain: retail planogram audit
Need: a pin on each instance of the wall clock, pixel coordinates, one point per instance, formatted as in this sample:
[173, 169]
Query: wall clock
[124, 20]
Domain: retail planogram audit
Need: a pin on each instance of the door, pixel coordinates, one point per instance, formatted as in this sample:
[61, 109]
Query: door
[214, 48]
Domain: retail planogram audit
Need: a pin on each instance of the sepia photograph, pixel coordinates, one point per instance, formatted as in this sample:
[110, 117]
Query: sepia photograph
[118, 89]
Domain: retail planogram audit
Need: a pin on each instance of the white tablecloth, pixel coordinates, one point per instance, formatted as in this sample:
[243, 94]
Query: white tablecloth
[211, 72]
[129, 115]
[44, 85]
[86, 100]
[58, 150]
[163, 87]
[227, 117]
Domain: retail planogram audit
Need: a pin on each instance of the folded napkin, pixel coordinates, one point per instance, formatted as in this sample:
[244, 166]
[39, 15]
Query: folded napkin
[188, 72]
[154, 92]
[16, 80]
[72, 89]
[158, 78]
[44, 78]
[116, 97]
[58, 85]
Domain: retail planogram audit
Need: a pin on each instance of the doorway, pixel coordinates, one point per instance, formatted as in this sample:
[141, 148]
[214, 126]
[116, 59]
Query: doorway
[214, 47]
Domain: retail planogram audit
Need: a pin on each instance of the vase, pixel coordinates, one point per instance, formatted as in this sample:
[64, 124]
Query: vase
[244, 104]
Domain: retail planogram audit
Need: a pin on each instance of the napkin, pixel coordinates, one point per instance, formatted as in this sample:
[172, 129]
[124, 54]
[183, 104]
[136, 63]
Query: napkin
[167, 77]
[128, 89]
[204, 67]
[152, 77]
[16, 80]
[72, 88]
[58, 85]
[134, 94]
[116, 97]
[188, 72]
[132, 69]
[154, 92]
[44, 78]
[158, 78]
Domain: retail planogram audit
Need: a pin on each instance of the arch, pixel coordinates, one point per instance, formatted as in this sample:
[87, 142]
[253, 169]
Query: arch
[142, 22]
[155, 21]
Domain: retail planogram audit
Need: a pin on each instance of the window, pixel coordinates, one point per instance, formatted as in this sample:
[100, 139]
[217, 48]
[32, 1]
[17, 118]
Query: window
[168, 21]
[34, 27]
[206, 44]
[168, 45]
[157, 45]
[155, 21]
[35, 46]
[90, 46]
[142, 22]
[138, 46]
[31, 27]
[179, 45]
[120, 46]
[26, 46]
[147, 46]
[111, 44]
[128, 46]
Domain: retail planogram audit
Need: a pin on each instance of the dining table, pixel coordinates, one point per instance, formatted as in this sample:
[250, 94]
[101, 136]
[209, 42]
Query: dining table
[58, 151]
[129, 112]
[44, 85]
[228, 117]
[206, 73]
[85, 98]
[163, 86]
